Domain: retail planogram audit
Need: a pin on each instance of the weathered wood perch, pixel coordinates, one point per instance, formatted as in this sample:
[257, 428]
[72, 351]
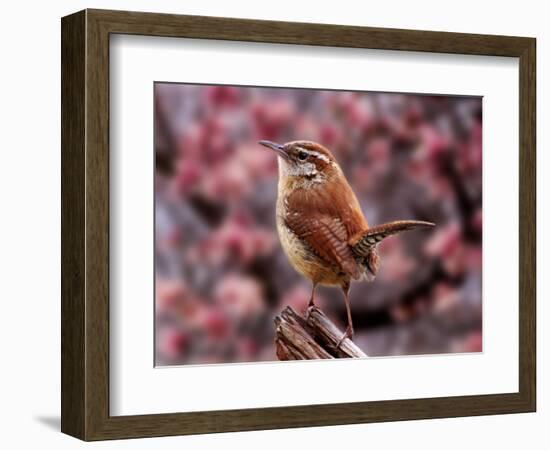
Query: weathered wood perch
[314, 338]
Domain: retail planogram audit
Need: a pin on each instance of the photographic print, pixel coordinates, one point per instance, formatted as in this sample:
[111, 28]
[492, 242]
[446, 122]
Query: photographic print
[299, 223]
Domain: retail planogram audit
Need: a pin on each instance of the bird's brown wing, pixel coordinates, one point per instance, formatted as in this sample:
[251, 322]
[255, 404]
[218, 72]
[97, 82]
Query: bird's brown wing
[325, 217]
[327, 238]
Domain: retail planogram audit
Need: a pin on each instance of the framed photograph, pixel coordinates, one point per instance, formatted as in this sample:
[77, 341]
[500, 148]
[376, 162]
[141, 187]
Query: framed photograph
[272, 225]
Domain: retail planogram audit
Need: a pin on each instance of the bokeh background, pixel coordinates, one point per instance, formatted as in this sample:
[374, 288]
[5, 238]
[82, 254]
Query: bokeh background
[221, 275]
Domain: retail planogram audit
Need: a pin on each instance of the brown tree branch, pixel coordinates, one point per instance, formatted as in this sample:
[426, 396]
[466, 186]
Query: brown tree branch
[314, 338]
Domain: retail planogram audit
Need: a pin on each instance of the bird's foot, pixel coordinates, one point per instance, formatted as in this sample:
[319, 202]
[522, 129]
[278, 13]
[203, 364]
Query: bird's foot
[347, 335]
[310, 308]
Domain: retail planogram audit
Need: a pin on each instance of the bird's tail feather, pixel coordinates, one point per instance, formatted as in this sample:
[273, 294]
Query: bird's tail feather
[363, 243]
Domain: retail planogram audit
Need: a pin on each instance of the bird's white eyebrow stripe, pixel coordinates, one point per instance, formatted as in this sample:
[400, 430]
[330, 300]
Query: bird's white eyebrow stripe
[316, 154]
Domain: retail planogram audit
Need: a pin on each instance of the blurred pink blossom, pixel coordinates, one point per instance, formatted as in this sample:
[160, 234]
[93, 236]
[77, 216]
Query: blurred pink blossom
[396, 264]
[446, 297]
[270, 119]
[236, 240]
[220, 96]
[449, 247]
[472, 343]
[241, 296]
[215, 323]
[172, 343]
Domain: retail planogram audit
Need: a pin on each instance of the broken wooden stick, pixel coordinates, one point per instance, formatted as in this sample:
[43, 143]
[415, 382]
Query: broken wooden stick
[313, 338]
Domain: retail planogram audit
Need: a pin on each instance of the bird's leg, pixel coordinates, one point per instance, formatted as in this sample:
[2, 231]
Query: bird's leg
[311, 303]
[349, 329]
[312, 298]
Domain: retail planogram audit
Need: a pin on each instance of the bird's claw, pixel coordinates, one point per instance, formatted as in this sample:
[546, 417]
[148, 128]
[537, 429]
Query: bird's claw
[348, 334]
[310, 308]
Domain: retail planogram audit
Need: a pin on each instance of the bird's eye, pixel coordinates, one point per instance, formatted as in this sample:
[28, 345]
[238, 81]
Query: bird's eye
[302, 156]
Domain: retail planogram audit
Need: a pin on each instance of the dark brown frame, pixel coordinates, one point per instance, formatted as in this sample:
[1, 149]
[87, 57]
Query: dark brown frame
[85, 224]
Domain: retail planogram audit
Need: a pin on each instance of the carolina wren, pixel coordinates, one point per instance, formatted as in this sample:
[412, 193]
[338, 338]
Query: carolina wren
[320, 224]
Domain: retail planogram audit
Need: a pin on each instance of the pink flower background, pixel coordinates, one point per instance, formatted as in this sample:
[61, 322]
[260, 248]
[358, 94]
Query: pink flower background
[221, 276]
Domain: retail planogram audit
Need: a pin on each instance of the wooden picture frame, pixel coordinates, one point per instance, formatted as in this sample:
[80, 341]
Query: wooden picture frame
[85, 224]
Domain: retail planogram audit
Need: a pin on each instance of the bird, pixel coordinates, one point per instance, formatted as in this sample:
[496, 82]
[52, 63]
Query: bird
[321, 227]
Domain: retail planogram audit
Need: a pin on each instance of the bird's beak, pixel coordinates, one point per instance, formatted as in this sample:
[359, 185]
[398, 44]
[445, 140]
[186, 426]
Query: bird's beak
[280, 149]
